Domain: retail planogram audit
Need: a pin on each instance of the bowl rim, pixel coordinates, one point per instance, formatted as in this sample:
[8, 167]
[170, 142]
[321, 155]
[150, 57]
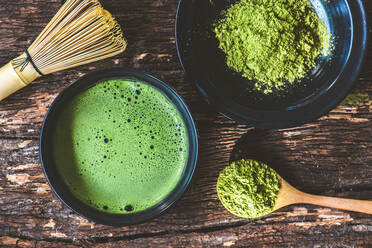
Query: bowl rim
[186, 177]
[319, 107]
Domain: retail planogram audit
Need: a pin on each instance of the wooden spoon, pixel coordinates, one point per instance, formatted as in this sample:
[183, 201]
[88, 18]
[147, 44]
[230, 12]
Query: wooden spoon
[288, 195]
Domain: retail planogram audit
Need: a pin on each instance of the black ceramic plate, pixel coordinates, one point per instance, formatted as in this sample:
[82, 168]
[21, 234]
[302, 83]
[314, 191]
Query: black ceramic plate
[325, 86]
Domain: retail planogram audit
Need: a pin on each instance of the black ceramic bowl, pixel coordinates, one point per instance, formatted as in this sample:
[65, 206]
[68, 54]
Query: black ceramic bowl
[320, 91]
[55, 180]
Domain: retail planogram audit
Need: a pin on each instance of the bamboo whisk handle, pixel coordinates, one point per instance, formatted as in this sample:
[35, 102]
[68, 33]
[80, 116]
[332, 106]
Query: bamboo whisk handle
[15, 75]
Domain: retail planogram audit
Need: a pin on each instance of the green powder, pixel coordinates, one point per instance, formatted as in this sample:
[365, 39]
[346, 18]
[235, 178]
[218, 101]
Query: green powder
[248, 189]
[274, 42]
[356, 99]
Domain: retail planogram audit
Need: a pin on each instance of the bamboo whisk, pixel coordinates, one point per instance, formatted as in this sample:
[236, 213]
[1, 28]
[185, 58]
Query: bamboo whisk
[81, 32]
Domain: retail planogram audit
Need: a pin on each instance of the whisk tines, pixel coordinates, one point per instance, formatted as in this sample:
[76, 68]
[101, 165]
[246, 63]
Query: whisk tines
[81, 32]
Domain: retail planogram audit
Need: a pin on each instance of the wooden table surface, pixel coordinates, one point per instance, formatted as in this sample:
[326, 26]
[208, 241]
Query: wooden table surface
[331, 156]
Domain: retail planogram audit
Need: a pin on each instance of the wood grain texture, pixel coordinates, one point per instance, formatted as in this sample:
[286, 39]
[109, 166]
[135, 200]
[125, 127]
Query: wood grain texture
[331, 156]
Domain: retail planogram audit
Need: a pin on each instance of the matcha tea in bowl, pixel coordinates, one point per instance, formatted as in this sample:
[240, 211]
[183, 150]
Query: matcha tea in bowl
[118, 146]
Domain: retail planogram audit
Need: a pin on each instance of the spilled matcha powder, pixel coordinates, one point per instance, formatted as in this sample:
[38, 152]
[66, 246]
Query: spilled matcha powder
[356, 99]
[273, 42]
[248, 189]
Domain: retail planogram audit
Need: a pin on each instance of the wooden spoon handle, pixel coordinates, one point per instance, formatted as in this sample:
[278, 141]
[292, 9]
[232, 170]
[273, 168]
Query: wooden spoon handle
[361, 206]
[289, 195]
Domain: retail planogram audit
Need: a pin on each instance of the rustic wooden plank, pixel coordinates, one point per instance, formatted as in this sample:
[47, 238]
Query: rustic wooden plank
[331, 156]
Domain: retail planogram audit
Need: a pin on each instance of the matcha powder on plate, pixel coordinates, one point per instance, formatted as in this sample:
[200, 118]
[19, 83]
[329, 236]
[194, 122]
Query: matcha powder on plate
[248, 189]
[273, 42]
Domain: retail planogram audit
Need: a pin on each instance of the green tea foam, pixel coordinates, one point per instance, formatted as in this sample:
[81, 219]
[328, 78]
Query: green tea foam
[121, 146]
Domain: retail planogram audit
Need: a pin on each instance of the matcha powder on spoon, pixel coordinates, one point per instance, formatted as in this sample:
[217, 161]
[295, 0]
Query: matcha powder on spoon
[248, 189]
[273, 42]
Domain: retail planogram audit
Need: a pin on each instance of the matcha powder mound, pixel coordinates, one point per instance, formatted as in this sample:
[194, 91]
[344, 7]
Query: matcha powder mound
[248, 189]
[273, 42]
